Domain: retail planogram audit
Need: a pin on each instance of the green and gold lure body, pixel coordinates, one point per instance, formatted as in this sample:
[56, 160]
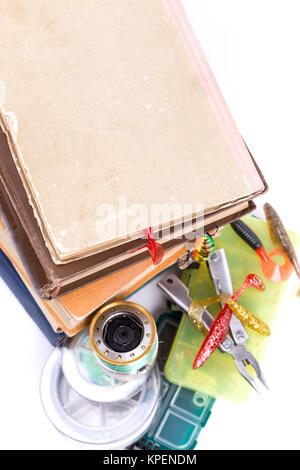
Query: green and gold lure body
[201, 252]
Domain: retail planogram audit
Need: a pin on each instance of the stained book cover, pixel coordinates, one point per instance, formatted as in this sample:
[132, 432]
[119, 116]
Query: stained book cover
[50, 279]
[107, 99]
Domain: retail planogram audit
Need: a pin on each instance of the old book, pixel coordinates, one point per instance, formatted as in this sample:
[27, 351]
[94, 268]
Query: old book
[47, 325]
[71, 312]
[112, 98]
[48, 278]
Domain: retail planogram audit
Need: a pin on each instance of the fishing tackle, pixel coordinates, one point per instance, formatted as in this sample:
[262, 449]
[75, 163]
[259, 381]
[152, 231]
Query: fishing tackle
[155, 249]
[220, 327]
[176, 291]
[123, 336]
[272, 270]
[248, 318]
[203, 249]
[241, 312]
[280, 236]
[195, 315]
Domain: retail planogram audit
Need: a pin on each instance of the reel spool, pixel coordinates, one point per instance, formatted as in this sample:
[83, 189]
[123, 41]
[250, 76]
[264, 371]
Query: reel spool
[107, 425]
[124, 338]
[83, 372]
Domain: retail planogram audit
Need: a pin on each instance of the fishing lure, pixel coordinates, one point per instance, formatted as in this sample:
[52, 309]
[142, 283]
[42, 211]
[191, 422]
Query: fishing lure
[197, 306]
[241, 312]
[248, 318]
[204, 248]
[280, 236]
[220, 327]
[155, 249]
[272, 270]
[195, 315]
[202, 251]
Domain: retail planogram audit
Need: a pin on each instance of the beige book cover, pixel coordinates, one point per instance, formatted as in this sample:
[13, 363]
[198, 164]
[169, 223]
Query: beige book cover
[109, 99]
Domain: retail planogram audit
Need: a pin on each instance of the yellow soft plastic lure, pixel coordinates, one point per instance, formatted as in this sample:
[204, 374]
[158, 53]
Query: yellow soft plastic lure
[241, 312]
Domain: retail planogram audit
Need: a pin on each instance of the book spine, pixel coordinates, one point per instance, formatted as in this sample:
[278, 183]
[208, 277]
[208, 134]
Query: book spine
[18, 288]
[38, 277]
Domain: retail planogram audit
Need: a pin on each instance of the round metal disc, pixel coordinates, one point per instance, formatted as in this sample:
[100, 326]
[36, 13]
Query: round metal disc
[99, 324]
[109, 426]
[85, 375]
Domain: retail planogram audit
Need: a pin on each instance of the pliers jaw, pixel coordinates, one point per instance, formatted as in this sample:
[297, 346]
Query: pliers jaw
[242, 358]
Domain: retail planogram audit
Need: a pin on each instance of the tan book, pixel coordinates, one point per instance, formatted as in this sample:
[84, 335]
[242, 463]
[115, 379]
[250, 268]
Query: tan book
[108, 99]
[71, 312]
[49, 279]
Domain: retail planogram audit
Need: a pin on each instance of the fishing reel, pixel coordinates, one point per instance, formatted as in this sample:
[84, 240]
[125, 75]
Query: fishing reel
[102, 386]
[123, 336]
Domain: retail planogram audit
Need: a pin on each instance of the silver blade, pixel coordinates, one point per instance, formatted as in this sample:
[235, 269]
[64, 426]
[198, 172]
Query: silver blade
[220, 273]
[221, 277]
[176, 291]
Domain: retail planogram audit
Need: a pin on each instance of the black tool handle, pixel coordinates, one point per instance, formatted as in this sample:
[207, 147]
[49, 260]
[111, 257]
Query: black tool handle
[246, 234]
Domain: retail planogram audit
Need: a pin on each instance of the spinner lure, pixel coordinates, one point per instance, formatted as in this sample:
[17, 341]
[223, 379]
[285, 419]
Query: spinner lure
[203, 249]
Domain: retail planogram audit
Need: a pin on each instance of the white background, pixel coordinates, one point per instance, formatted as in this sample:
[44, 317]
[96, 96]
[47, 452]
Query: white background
[253, 48]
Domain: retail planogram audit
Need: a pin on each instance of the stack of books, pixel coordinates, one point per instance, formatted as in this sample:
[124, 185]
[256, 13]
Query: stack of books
[117, 150]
